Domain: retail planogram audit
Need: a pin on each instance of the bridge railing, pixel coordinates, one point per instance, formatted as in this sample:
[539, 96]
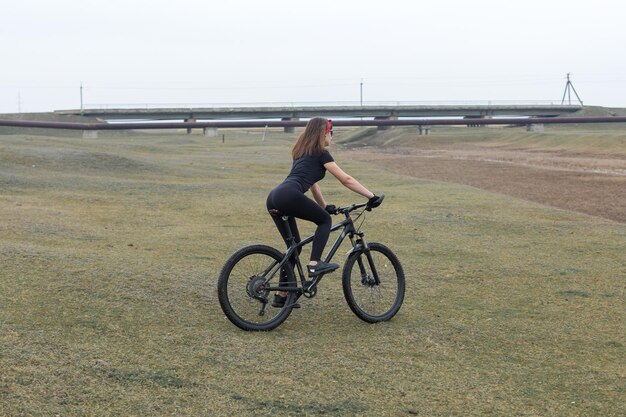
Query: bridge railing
[105, 106]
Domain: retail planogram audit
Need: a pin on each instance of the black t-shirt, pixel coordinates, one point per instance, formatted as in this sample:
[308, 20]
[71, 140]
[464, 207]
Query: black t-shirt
[308, 169]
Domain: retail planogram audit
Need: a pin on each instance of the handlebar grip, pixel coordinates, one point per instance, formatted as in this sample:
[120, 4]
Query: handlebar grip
[375, 201]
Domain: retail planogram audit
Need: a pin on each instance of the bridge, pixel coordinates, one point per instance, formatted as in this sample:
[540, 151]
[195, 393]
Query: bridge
[296, 112]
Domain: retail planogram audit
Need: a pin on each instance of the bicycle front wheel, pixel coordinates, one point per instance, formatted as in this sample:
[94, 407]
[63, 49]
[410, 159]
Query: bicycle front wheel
[373, 283]
[242, 293]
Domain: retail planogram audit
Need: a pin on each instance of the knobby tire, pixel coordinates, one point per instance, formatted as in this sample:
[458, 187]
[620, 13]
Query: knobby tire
[373, 303]
[233, 289]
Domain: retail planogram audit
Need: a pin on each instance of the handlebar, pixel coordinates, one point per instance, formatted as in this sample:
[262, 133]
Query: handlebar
[352, 207]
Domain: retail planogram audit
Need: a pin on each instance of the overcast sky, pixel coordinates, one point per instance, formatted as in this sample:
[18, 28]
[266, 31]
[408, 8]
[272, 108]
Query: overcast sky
[202, 52]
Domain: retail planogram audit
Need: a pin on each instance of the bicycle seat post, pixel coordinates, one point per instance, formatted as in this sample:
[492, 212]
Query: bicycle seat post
[276, 213]
[289, 238]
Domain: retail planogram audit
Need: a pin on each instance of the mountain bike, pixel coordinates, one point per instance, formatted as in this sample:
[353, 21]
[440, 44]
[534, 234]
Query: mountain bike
[372, 277]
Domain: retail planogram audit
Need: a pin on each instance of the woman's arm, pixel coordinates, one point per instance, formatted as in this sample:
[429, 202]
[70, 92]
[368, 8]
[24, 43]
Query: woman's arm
[317, 195]
[347, 180]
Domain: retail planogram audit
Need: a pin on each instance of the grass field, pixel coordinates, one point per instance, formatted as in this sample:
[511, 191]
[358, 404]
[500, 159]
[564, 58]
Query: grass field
[110, 250]
[599, 139]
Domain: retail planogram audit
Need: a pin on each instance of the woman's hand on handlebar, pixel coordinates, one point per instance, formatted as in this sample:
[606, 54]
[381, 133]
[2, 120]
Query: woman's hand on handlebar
[375, 201]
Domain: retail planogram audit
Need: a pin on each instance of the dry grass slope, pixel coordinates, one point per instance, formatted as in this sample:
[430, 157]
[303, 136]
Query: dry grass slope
[110, 249]
[577, 168]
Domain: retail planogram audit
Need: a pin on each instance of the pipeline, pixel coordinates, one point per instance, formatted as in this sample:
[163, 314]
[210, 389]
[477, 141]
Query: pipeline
[299, 123]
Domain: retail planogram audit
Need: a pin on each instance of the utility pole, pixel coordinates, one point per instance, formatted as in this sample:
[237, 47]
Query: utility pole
[81, 98]
[361, 92]
[569, 87]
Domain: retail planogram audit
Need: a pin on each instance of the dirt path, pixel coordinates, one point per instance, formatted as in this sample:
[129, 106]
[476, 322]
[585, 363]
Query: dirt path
[585, 183]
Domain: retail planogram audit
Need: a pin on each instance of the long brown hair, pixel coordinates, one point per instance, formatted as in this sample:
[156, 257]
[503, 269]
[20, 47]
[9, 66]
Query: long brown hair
[311, 141]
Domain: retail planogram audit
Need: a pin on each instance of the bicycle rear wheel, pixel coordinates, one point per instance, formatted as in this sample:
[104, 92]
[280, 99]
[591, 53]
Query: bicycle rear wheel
[241, 290]
[371, 301]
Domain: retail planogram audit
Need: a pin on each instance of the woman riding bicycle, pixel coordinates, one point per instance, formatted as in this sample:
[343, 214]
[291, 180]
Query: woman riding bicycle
[310, 162]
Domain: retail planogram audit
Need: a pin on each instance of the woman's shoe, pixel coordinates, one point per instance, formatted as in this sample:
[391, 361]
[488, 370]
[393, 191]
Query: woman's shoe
[321, 268]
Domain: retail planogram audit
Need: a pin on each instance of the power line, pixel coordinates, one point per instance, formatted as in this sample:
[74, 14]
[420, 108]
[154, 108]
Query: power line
[569, 87]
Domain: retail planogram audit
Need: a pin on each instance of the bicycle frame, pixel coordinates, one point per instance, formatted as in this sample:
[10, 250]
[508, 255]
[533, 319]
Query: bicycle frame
[348, 230]
[244, 290]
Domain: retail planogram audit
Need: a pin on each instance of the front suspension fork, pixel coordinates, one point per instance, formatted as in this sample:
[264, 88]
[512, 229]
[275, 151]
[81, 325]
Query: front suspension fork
[361, 245]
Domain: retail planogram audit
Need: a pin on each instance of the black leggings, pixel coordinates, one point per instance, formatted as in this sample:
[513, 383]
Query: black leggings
[293, 203]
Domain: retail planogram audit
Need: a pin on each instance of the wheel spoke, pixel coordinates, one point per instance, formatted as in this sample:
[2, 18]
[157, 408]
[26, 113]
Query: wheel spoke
[370, 301]
[242, 289]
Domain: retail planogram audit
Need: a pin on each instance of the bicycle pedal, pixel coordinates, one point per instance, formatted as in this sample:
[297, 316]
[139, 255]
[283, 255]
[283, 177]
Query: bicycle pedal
[309, 289]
